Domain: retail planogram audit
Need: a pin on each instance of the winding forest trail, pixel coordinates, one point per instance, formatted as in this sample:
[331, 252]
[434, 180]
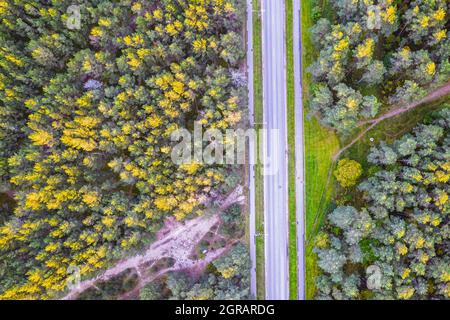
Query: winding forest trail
[178, 243]
[432, 96]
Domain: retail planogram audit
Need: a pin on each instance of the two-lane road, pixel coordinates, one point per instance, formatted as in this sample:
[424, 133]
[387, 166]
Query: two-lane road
[275, 145]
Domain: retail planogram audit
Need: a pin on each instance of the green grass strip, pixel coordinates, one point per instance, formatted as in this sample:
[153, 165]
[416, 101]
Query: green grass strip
[291, 149]
[258, 119]
[320, 145]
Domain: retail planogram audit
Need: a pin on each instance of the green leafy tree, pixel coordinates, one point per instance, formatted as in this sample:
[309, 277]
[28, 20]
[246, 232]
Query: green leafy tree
[348, 172]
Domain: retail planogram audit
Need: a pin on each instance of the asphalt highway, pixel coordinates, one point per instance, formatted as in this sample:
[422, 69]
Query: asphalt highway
[275, 146]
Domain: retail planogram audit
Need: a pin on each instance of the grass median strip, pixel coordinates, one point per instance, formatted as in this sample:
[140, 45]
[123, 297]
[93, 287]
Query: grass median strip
[258, 118]
[291, 150]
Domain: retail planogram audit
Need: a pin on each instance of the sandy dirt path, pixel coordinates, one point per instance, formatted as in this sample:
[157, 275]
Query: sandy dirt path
[178, 244]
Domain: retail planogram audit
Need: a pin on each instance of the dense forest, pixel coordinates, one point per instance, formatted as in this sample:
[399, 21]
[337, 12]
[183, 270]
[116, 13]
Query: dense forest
[377, 54]
[395, 244]
[87, 114]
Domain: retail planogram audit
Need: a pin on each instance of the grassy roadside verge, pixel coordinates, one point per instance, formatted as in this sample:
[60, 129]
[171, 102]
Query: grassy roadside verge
[291, 149]
[259, 181]
[320, 145]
